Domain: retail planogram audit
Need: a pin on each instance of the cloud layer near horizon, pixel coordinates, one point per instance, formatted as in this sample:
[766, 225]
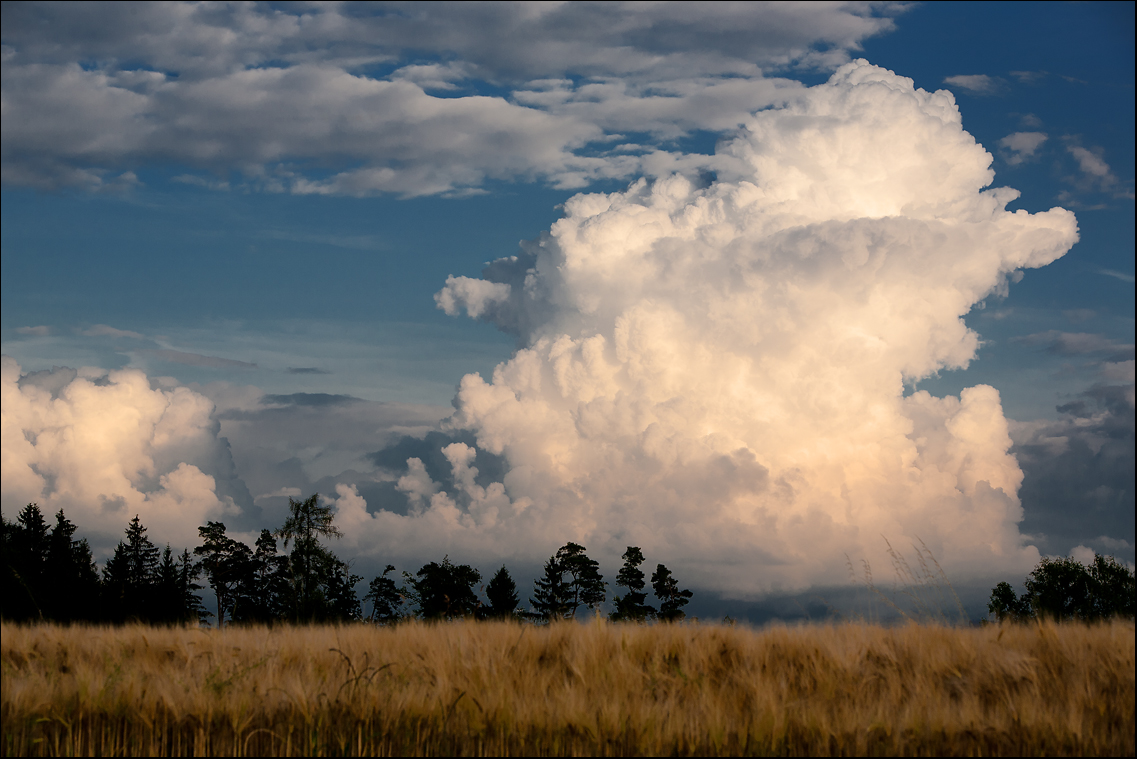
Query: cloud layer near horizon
[107, 446]
[412, 99]
[716, 374]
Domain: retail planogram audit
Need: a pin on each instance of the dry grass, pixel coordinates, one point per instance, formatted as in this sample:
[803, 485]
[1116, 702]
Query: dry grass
[569, 689]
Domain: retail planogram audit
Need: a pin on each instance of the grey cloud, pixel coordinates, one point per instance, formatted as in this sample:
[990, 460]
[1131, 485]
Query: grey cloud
[1079, 472]
[313, 441]
[52, 380]
[311, 399]
[1080, 344]
[1079, 315]
[1021, 146]
[307, 370]
[260, 92]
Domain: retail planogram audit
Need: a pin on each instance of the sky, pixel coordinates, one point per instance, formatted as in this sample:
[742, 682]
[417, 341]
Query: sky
[755, 287]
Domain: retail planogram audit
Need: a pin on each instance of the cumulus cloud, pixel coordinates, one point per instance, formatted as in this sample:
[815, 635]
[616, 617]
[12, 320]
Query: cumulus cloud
[104, 447]
[333, 99]
[716, 372]
[1021, 146]
[303, 443]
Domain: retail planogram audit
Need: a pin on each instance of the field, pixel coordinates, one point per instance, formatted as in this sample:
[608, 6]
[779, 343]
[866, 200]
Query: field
[599, 688]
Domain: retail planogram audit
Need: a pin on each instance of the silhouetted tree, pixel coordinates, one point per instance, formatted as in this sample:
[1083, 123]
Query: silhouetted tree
[385, 598]
[189, 600]
[671, 599]
[24, 544]
[551, 595]
[342, 604]
[228, 567]
[1114, 588]
[307, 522]
[70, 574]
[130, 575]
[586, 584]
[1065, 589]
[632, 606]
[445, 591]
[556, 598]
[268, 589]
[1006, 606]
[501, 592]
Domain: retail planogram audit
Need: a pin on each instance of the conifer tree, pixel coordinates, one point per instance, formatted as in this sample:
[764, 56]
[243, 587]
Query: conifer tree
[307, 522]
[551, 595]
[130, 575]
[632, 606]
[586, 586]
[671, 598]
[227, 564]
[502, 595]
[385, 598]
[192, 609]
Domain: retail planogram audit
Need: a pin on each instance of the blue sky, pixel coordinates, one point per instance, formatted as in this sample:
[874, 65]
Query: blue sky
[259, 203]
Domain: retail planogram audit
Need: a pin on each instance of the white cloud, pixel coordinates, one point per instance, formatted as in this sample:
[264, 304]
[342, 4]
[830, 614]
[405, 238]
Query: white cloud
[1123, 276]
[1021, 146]
[109, 447]
[717, 374]
[1083, 555]
[327, 99]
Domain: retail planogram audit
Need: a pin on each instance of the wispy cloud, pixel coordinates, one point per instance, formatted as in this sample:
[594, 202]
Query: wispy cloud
[38, 331]
[197, 359]
[1078, 344]
[1124, 277]
[105, 330]
[978, 84]
[307, 370]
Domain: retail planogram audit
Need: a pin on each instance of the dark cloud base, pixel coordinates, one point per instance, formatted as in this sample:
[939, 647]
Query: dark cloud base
[1074, 493]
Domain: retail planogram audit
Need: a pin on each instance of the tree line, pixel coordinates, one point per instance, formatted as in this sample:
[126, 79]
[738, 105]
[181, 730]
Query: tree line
[289, 575]
[1065, 589]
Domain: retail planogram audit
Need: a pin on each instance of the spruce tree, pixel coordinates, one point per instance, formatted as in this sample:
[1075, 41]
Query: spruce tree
[502, 595]
[192, 610]
[551, 596]
[130, 575]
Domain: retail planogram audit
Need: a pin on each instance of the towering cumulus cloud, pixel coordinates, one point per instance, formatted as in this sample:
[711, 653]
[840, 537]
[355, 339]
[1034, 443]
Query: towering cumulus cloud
[717, 374]
[104, 448]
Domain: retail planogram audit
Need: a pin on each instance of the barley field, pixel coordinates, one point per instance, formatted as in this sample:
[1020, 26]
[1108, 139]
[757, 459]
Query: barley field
[597, 688]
